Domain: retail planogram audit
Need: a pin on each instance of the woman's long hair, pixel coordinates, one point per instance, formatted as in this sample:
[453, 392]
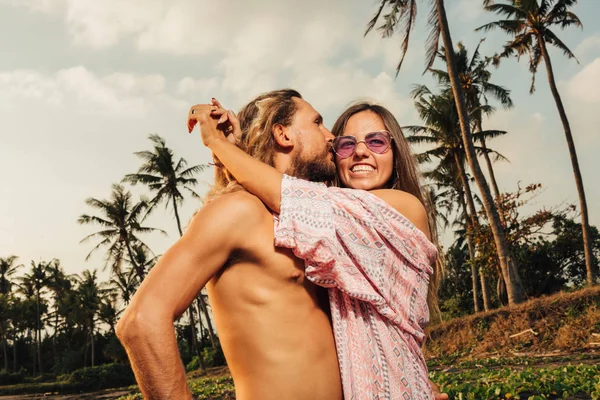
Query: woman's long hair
[405, 177]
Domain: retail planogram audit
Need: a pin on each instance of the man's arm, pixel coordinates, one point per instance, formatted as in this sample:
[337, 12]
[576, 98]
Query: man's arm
[146, 328]
[255, 176]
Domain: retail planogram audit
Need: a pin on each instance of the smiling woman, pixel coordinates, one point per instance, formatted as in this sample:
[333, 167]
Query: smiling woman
[393, 167]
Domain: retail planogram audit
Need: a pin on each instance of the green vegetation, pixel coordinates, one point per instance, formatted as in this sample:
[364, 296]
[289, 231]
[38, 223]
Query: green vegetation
[529, 383]
[83, 380]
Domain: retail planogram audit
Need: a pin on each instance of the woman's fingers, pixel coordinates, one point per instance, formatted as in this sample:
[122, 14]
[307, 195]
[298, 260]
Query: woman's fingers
[201, 111]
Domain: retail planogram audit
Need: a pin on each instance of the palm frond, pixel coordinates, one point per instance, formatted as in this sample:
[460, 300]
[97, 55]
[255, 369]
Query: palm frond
[499, 93]
[551, 38]
[433, 40]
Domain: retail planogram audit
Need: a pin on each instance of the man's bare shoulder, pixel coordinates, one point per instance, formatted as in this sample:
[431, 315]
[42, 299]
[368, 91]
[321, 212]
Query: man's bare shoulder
[406, 204]
[236, 204]
[228, 214]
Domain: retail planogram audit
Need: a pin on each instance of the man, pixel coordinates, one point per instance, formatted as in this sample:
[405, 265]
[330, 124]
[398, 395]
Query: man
[277, 340]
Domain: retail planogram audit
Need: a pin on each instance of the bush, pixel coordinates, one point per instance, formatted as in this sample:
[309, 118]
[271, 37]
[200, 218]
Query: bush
[213, 357]
[103, 377]
[12, 378]
[193, 365]
[43, 378]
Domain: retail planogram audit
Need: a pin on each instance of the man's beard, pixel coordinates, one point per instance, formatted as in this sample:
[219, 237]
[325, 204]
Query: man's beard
[319, 168]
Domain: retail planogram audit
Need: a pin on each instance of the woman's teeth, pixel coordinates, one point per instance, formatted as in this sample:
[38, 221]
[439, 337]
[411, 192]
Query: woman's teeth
[362, 169]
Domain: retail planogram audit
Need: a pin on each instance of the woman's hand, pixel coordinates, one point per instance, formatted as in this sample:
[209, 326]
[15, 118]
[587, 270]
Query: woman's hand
[228, 122]
[214, 122]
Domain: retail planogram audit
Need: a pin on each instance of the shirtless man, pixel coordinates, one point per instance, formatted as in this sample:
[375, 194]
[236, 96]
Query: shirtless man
[277, 341]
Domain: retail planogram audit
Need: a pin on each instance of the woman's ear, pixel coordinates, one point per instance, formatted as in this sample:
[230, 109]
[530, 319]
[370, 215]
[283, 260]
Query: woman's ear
[282, 135]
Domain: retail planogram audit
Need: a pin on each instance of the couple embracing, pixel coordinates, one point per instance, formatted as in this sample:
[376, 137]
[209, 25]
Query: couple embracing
[317, 253]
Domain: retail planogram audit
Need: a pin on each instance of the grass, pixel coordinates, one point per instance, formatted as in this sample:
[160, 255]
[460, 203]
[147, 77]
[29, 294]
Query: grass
[562, 323]
[480, 383]
[566, 382]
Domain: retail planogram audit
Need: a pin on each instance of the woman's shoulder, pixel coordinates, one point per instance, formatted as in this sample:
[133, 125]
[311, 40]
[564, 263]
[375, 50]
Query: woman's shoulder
[406, 204]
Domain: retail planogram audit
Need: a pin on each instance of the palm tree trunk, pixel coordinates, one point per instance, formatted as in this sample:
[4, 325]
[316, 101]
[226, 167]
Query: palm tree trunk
[476, 305]
[177, 215]
[92, 340]
[195, 339]
[515, 290]
[486, 156]
[54, 354]
[485, 291]
[490, 168]
[29, 335]
[211, 334]
[15, 353]
[590, 267]
[85, 354]
[4, 346]
[467, 189]
[38, 333]
[138, 270]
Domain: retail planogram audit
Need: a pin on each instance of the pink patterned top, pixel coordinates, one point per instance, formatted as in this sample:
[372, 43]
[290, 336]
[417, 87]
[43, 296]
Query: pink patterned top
[377, 265]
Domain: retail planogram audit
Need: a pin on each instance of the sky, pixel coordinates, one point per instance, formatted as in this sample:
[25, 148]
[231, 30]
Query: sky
[84, 83]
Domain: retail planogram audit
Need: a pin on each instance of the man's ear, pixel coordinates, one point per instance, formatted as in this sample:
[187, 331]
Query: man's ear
[283, 136]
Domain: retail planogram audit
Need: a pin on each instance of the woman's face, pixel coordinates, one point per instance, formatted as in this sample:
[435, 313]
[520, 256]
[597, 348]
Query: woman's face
[365, 169]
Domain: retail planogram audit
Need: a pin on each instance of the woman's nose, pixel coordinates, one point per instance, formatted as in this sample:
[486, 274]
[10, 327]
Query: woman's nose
[361, 149]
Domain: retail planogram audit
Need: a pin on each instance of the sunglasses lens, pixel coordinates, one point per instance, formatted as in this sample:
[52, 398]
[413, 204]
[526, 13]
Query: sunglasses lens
[377, 142]
[344, 146]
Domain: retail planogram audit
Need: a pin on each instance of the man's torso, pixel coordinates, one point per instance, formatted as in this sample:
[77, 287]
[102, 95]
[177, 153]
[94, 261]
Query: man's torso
[277, 340]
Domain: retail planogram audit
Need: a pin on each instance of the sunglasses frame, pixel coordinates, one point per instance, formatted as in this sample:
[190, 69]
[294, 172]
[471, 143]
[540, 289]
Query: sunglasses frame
[362, 141]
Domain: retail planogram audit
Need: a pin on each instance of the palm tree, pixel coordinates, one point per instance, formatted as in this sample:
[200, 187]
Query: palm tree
[401, 17]
[108, 312]
[530, 23]
[8, 268]
[167, 179]
[59, 283]
[20, 324]
[450, 192]
[144, 258]
[34, 284]
[442, 130]
[121, 223]
[124, 283]
[90, 296]
[474, 77]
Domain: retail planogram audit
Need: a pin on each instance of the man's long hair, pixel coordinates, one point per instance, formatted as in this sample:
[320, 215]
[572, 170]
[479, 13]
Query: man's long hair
[257, 120]
[405, 177]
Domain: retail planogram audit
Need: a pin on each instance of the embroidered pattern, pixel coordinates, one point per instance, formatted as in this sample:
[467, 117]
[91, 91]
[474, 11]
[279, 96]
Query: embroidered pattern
[377, 265]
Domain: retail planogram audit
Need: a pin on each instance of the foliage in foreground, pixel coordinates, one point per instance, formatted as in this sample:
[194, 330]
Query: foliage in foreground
[529, 383]
[83, 380]
[205, 388]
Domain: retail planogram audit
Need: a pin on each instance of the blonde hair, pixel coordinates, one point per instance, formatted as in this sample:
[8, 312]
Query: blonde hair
[405, 177]
[257, 120]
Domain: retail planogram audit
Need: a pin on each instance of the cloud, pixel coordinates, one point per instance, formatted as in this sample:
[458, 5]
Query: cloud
[466, 10]
[588, 46]
[46, 6]
[82, 90]
[584, 87]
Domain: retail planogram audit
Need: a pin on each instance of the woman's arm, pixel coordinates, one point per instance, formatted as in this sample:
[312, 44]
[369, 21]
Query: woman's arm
[258, 178]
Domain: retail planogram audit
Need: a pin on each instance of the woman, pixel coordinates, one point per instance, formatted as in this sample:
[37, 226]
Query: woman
[375, 261]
